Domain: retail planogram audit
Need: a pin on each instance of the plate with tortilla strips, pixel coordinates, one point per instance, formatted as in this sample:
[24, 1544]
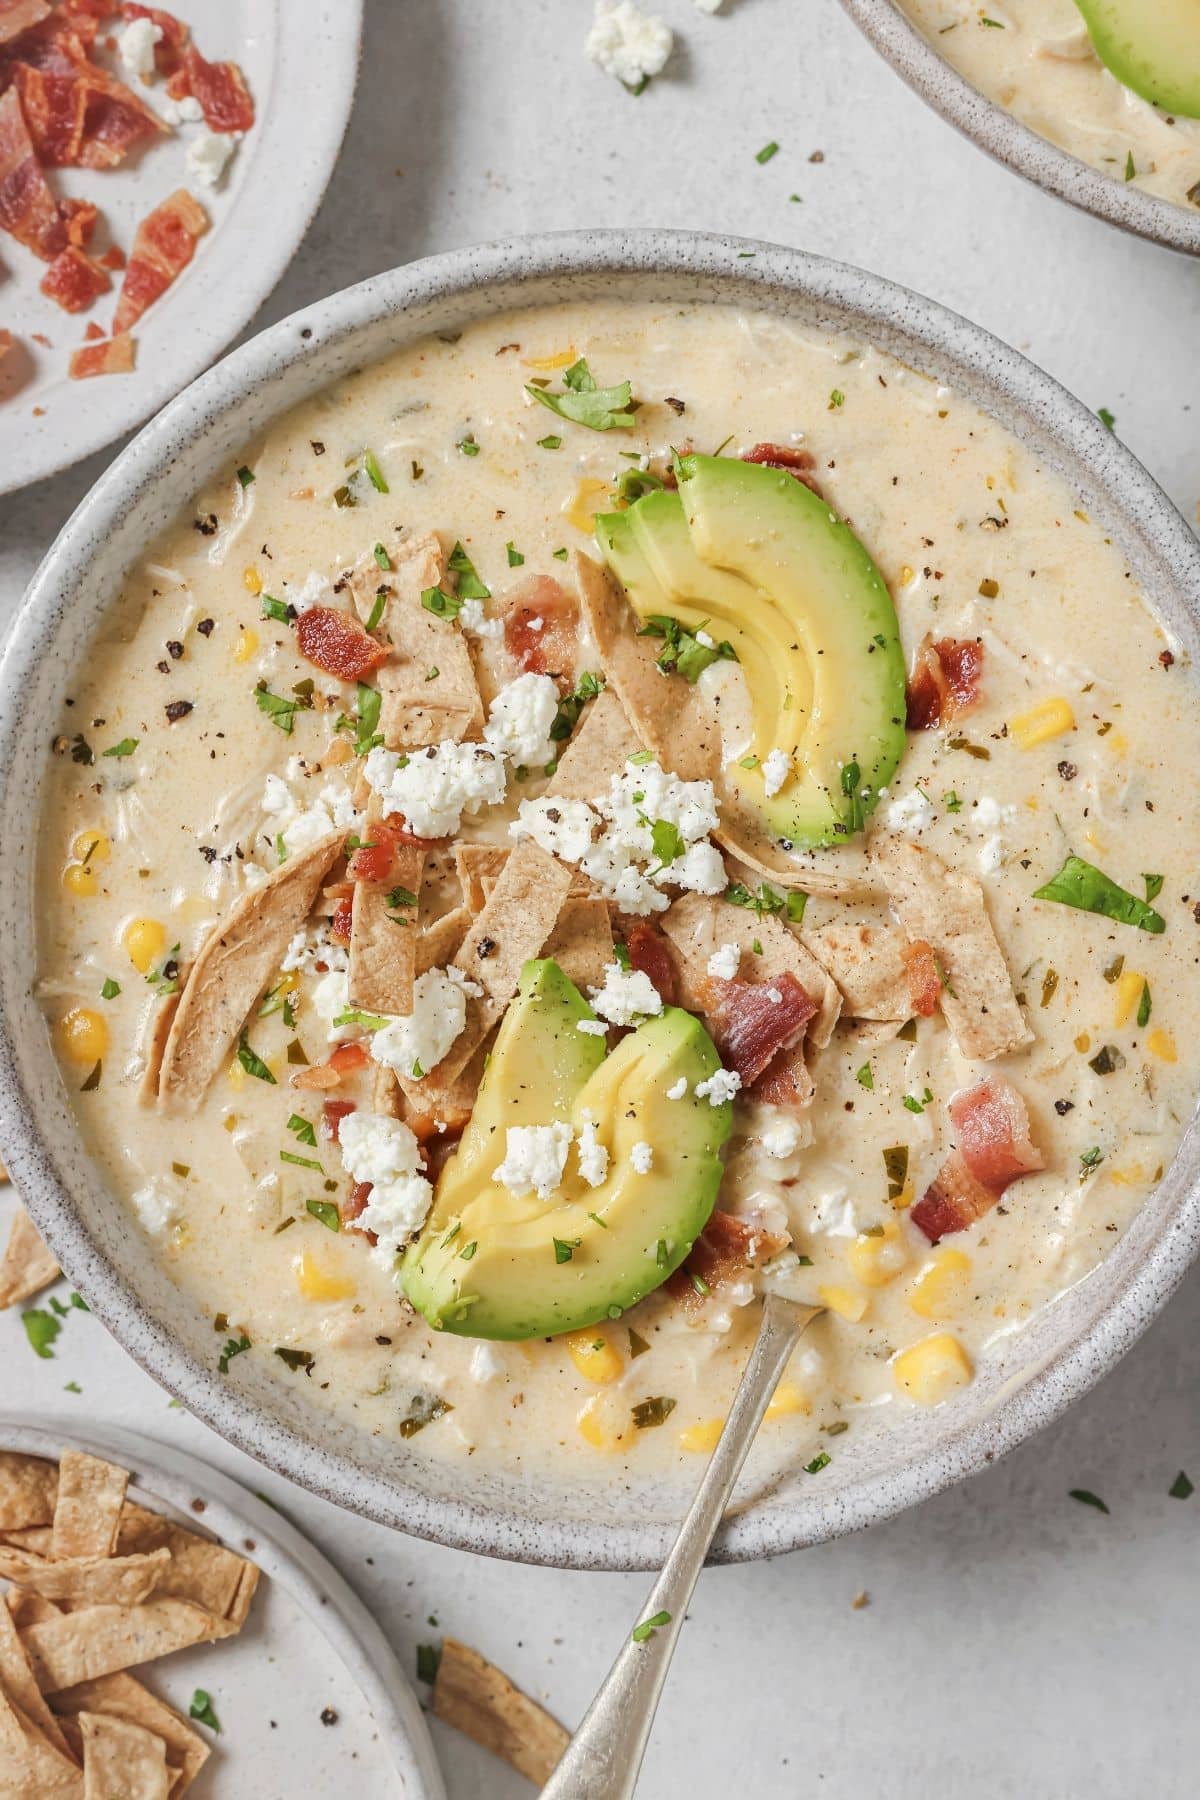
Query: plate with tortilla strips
[117, 1552]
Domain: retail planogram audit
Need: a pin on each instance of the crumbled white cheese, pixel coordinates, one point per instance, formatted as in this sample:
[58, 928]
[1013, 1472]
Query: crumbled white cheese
[912, 814]
[592, 1027]
[563, 827]
[135, 47]
[629, 44]
[472, 616]
[622, 862]
[432, 789]
[312, 946]
[187, 111]
[627, 995]
[642, 1157]
[776, 767]
[519, 720]
[593, 1157]
[706, 640]
[700, 870]
[781, 1137]
[300, 827]
[644, 792]
[383, 1151]
[835, 1214]
[678, 1089]
[775, 996]
[416, 1042]
[991, 854]
[725, 962]
[208, 156]
[315, 590]
[331, 998]
[159, 1203]
[534, 1158]
[719, 1087]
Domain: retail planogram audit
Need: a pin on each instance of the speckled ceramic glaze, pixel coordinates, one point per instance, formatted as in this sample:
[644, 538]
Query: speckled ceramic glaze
[538, 1518]
[1013, 143]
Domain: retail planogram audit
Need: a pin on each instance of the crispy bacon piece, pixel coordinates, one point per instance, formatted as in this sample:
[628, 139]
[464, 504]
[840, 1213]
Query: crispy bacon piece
[347, 1059]
[354, 1207]
[925, 983]
[944, 682]
[93, 333]
[168, 52]
[163, 246]
[541, 629]
[337, 643]
[55, 109]
[751, 1021]
[799, 463]
[341, 924]
[74, 281]
[27, 207]
[115, 122]
[725, 1249]
[994, 1149]
[650, 952]
[81, 217]
[777, 1083]
[219, 87]
[17, 16]
[109, 356]
[332, 1114]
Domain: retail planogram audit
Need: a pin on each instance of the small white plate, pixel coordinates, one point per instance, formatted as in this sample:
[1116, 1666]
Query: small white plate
[300, 59]
[272, 1683]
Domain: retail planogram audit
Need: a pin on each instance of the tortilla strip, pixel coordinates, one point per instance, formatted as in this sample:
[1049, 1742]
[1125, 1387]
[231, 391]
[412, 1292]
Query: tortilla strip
[124, 1697]
[419, 707]
[234, 965]
[582, 942]
[946, 909]
[867, 962]
[122, 1758]
[86, 1581]
[475, 864]
[441, 941]
[382, 942]
[698, 924]
[161, 1020]
[28, 1487]
[473, 1695]
[31, 1766]
[88, 1510]
[30, 1537]
[670, 715]
[602, 745]
[28, 1266]
[27, 1609]
[200, 1569]
[18, 1683]
[449, 1102]
[98, 1640]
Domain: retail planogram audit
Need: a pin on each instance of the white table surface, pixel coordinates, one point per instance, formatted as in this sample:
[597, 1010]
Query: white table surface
[1016, 1642]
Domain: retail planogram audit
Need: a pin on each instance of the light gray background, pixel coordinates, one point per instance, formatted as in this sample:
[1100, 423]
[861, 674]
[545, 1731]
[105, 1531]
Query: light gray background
[1016, 1643]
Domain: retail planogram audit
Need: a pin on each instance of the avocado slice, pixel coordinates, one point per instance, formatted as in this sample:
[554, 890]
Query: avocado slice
[752, 551]
[1152, 48]
[626, 1236]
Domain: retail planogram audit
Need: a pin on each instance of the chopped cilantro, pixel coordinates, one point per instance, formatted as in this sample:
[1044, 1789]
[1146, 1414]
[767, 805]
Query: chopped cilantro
[767, 152]
[649, 1626]
[374, 473]
[866, 1078]
[515, 559]
[381, 557]
[1181, 1488]
[126, 747]
[1087, 1498]
[836, 399]
[377, 611]
[234, 1347]
[583, 403]
[682, 652]
[245, 475]
[821, 1461]
[303, 1129]
[441, 604]
[253, 1065]
[41, 1328]
[202, 1709]
[110, 989]
[470, 587]
[1081, 885]
[276, 609]
[429, 1659]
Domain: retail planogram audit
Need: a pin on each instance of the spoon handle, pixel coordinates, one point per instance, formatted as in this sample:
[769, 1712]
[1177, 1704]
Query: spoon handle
[605, 1755]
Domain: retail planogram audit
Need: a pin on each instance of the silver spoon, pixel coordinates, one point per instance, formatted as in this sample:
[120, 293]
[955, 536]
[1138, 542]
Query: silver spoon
[604, 1757]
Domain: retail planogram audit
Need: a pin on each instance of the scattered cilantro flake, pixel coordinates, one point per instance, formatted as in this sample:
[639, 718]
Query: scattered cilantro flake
[470, 587]
[467, 1253]
[1106, 418]
[381, 557]
[441, 604]
[301, 1162]
[583, 403]
[821, 1461]
[1089, 1161]
[466, 445]
[1181, 1488]
[202, 1709]
[549, 442]
[1144, 1004]
[764, 902]
[637, 1343]
[951, 801]
[253, 1065]
[866, 1078]
[667, 841]
[303, 1129]
[796, 903]
[1130, 166]
[370, 463]
[515, 559]
[1154, 886]
[41, 1328]
[767, 152]
[245, 475]
[377, 611]
[1086, 1498]
[110, 989]
[294, 1359]
[368, 706]
[234, 1347]
[652, 1412]
[682, 652]
[429, 1658]
[281, 712]
[649, 1626]
[126, 747]
[1081, 885]
[836, 399]
[563, 1251]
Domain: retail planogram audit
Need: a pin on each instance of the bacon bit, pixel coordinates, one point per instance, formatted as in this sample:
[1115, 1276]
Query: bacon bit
[748, 1027]
[721, 1251]
[7, 343]
[111, 356]
[925, 982]
[113, 259]
[349, 1057]
[168, 52]
[27, 207]
[944, 682]
[338, 644]
[219, 87]
[341, 923]
[541, 629]
[162, 248]
[17, 16]
[81, 217]
[777, 1084]
[799, 463]
[332, 1114]
[55, 109]
[116, 121]
[94, 333]
[994, 1149]
[650, 953]
[354, 1208]
[374, 861]
[74, 281]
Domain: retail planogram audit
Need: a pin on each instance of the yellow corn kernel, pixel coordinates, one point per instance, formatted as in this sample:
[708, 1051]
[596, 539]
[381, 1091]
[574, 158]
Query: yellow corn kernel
[843, 1301]
[316, 1282]
[562, 359]
[247, 644]
[1129, 994]
[1117, 742]
[230, 1121]
[701, 1438]
[876, 1260]
[596, 1425]
[941, 1285]
[1133, 1176]
[144, 941]
[589, 498]
[1160, 1043]
[91, 847]
[906, 575]
[252, 580]
[1083, 1043]
[81, 881]
[594, 1356]
[929, 1371]
[83, 1035]
[787, 1399]
[1048, 719]
[236, 1074]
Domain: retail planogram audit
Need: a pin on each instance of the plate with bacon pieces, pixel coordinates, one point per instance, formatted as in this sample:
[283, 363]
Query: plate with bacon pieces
[143, 154]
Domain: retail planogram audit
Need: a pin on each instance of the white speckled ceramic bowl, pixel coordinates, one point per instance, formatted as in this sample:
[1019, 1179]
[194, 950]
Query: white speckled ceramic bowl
[916, 60]
[600, 1522]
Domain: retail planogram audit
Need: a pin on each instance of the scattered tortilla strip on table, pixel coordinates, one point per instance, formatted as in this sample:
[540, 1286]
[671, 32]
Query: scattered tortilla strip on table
[428, 685]
[87, 1513]
[867, 963]
[234, 964]
[473, 1695]
[28, 1266]
[945, 908]
[601, 746]
[383, 942]
[698, 924]
[582, 942]
[28, 1490]
[86, 1581]
[120, 1758]
[123, 1697]
[99, 1640]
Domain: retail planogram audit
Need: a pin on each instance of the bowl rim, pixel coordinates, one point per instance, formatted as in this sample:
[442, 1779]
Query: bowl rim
[1130, 1286]
[1013, 143]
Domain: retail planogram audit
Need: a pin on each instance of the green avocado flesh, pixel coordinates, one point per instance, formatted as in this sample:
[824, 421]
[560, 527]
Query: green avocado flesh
[757, 558]
[626, 1236]
[1151, 46]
